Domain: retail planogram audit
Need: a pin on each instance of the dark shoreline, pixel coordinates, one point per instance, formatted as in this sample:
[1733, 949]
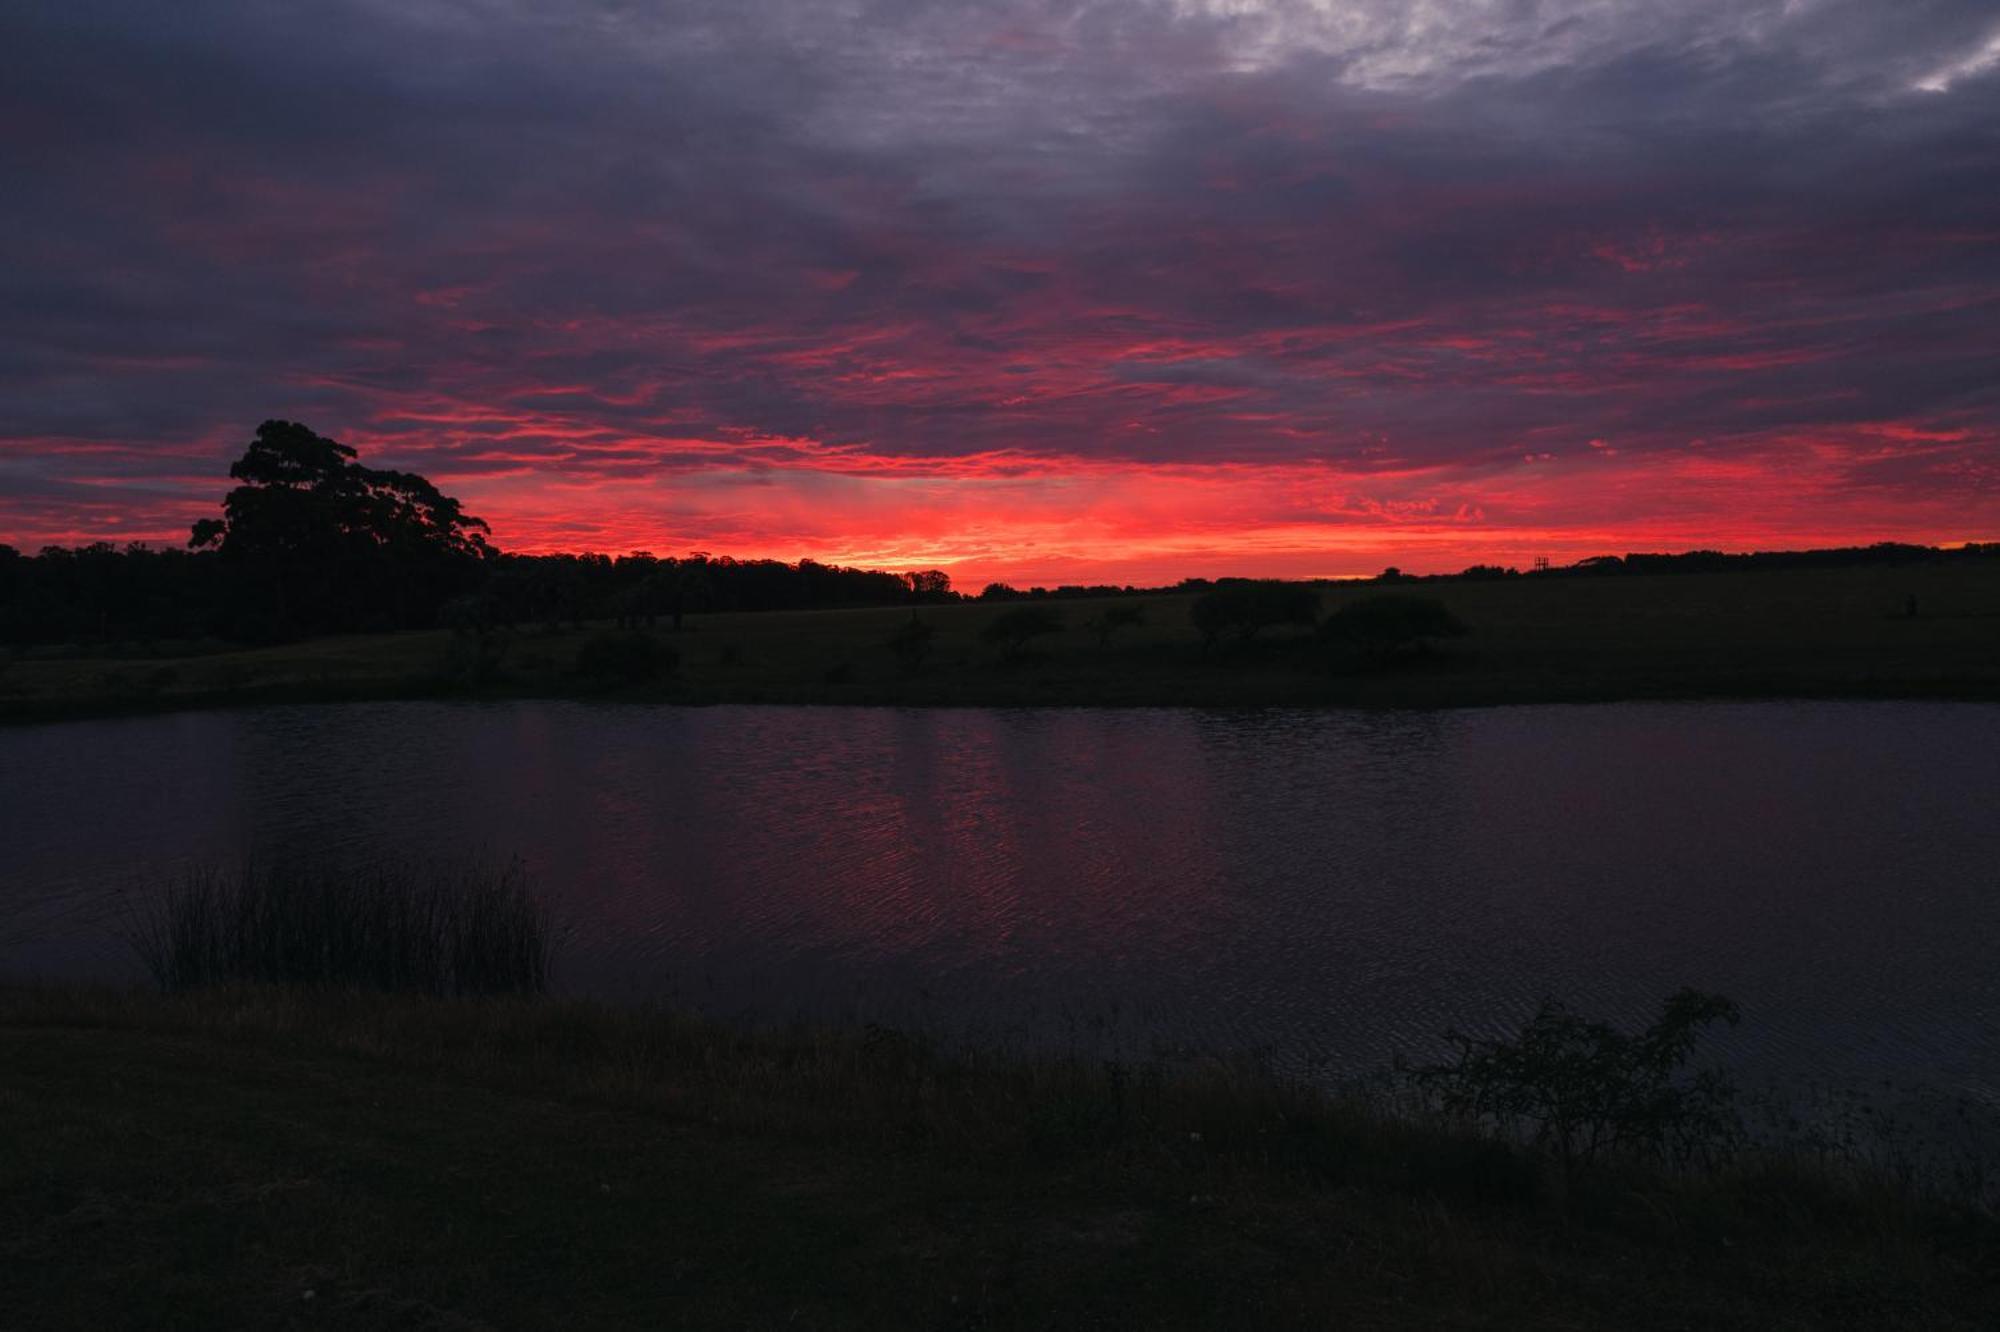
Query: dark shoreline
[22, 712]
[205, 1159]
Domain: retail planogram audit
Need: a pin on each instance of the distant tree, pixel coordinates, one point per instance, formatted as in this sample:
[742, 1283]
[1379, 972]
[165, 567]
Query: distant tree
[912, 642]
[481, 633]
[1390, 575]
[625, 657]
[1011, 631]
[929, 585]
[999, 592]
[1245, 608]
[1113, 618]
[14, 583]
[1390, 624]
[688, 586]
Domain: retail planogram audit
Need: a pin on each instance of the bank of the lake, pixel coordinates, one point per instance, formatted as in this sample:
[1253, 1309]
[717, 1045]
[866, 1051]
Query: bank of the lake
[273, 1159]
[1829, 633]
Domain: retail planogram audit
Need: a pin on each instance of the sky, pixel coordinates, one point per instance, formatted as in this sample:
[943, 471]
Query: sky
[1036, 290]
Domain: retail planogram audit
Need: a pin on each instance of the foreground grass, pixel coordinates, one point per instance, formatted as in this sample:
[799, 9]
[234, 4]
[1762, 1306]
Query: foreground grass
[1804, 633]
[207, 1160]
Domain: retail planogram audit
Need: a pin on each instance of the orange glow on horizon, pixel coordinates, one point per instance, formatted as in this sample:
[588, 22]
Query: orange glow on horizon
[1028, 520]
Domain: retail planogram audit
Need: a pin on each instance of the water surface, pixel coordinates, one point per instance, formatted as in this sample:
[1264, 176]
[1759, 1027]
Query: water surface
[1329, 887]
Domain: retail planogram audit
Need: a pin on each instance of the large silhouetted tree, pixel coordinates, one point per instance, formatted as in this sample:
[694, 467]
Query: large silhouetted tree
[317, 542]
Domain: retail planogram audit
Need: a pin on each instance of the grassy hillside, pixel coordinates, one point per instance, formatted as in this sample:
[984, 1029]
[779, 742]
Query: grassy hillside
[273, 1159]
[1839, 632]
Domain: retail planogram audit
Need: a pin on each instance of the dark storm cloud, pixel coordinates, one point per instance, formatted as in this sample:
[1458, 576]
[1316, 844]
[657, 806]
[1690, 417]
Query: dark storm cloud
[1385, 236]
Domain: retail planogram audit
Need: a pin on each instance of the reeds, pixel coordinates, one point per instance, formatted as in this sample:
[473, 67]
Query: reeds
[470, 930]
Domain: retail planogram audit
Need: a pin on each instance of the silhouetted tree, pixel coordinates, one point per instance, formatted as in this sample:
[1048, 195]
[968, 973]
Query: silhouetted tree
[481, 633]
[625, 657]
[930, 585]
[1390, 624]
[1245, 607]
[320, 542]
[1113, 618]
[911, 643]
[1011, 631]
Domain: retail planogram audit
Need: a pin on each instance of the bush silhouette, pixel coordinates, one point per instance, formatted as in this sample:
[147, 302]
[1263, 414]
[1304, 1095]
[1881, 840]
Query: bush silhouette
[912, 642]
[1113, 618]
[1585, 1090]
[480, 637]
[1012, 631]
[1245, 608]
[625, 657]
[1390, 624]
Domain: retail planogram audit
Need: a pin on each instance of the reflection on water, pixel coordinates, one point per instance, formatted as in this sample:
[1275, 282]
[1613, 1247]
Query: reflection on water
[1332, 887]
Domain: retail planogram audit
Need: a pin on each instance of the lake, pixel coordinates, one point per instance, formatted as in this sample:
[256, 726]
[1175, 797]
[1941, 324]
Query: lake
[1330, 888]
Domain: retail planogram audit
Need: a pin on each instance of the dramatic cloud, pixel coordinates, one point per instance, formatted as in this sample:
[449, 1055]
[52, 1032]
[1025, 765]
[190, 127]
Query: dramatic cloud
[1033, 288]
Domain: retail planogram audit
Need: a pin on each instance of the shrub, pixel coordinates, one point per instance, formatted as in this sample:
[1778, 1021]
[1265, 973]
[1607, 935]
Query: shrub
[480, 637]
[1011, 631]
[443, 932]
[912, 643]
[1113, 618]
[1246, 607]
[1586, 1090]
[625, 657]
[1390, 624]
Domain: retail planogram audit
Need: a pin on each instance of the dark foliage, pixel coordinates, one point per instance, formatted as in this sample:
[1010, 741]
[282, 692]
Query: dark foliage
[1111, 619]
[1390, 624]
[311, 541]
[480, 638]
[623, 657]
[1013, 630]
[1244, 608]
[1585, 1090]
[464, 932]
[1067, 592]
[912, 642]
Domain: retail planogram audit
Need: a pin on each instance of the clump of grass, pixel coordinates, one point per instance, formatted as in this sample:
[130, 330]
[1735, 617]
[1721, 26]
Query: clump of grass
[471, 930]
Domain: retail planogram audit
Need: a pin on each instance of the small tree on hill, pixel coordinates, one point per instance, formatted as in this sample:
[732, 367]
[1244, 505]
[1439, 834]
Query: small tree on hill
[481, 633]
[1011, 631]
[1391, 624]
[1245, 608]
[1113, 618]
[912, 642]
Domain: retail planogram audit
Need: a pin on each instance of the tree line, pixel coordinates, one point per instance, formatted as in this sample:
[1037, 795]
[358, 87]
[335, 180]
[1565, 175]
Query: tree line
[312, 541]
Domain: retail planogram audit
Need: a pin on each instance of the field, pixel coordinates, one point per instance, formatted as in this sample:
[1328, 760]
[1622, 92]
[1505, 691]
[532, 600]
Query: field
[275, 1158]
[1813, 633]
